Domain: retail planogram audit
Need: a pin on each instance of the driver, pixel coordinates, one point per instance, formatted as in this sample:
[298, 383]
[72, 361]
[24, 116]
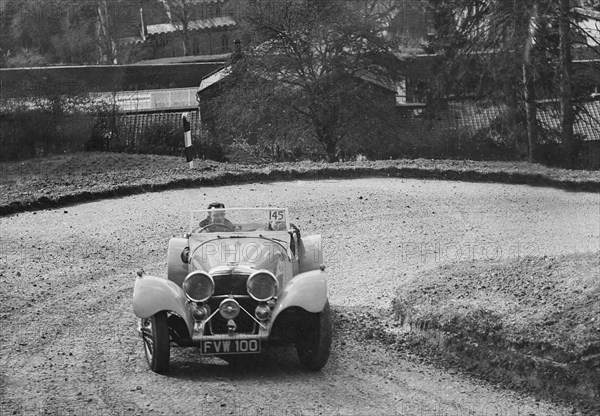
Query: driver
[217, 216]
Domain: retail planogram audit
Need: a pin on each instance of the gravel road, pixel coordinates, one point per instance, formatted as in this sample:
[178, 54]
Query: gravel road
[68, 338]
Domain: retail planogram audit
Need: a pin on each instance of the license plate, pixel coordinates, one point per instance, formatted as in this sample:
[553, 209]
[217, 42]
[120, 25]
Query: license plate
[230, 346]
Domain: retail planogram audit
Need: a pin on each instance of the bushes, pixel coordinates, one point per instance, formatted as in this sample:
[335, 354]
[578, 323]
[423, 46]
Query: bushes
[28, 134]
[62, 127]
[207, 146]
[44, 121]
[160, 139]
[17, 136]
[160, 134]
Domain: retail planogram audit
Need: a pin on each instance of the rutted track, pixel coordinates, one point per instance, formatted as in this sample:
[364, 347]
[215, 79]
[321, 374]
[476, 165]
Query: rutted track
[68, 337]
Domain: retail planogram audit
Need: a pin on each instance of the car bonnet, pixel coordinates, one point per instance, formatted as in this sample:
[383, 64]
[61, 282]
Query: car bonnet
[254, 252]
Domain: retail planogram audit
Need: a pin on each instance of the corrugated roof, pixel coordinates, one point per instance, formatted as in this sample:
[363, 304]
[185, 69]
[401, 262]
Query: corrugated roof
[473, 117]
[587, 123]
[201, 24]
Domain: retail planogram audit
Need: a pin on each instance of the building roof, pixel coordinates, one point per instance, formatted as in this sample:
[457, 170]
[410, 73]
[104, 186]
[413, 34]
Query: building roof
[587, 123]
[214, 77]
[201, 24]
[380, 80]
[191, 59]
[473, 117]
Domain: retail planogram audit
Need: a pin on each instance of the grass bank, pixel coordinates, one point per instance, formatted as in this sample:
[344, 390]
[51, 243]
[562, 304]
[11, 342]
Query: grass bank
[534, 323]
[66, 179]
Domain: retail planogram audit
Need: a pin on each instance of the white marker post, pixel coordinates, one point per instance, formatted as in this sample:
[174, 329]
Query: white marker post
[187, 138]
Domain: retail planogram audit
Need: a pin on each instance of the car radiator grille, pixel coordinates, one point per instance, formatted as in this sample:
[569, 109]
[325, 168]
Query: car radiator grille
[232, 284]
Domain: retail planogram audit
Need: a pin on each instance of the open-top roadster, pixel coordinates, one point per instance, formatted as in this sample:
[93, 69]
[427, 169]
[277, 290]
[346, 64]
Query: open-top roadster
[240, 278]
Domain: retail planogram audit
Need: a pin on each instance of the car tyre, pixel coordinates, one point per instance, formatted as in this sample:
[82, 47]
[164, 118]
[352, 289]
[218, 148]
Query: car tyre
[313, 340]
[157, 345]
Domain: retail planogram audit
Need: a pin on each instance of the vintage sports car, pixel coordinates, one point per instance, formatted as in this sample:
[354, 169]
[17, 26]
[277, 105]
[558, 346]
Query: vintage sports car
[241, 277]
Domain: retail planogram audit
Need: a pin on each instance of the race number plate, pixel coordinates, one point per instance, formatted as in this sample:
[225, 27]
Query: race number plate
[278, 215]
[227, 346]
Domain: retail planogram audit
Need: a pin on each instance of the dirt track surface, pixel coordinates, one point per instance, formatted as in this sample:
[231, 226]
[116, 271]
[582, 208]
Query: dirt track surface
[68, 338]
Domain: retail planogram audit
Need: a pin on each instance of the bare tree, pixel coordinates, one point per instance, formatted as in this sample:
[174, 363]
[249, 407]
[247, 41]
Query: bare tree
[106, 43]
[182, 14]
[489, 51]
[529, 82]
[61, 31]
[510, 51]
[317, 63]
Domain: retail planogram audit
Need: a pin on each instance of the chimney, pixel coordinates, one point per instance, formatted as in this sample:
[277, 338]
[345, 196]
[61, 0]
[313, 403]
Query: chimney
[144, 31]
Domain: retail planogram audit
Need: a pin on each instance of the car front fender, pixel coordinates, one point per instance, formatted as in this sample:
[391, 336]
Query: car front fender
[153, 294]
[306, 290]
[177, 270]
[311, 253]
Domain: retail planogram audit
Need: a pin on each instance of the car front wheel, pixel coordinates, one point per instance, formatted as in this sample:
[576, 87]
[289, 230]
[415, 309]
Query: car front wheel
[155, 334]
[313, 340]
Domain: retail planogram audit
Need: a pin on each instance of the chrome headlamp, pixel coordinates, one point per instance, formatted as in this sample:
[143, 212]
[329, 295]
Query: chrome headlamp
[200, 313]
[262, 285]
[198, 286]
[229, 308]
[262, 312]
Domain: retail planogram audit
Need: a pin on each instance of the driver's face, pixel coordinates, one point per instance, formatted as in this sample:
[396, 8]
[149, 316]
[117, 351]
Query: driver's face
[217, 217]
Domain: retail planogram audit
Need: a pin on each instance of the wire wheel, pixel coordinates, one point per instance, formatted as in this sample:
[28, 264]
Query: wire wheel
[155, 334]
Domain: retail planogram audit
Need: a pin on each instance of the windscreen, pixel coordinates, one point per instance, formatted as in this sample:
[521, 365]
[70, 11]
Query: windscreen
[240, 220]
[255, 237]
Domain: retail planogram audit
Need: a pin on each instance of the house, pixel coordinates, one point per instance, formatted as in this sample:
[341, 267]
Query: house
[211, 87]
[162, 30]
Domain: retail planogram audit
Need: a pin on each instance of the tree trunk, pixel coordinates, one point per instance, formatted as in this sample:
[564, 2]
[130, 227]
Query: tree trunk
[529, 85]
[185, 38]
[510, 120]
[108, 47]
[330, 149]
[566, 92]
[327, 138]
[530, 111]
[325, 119]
